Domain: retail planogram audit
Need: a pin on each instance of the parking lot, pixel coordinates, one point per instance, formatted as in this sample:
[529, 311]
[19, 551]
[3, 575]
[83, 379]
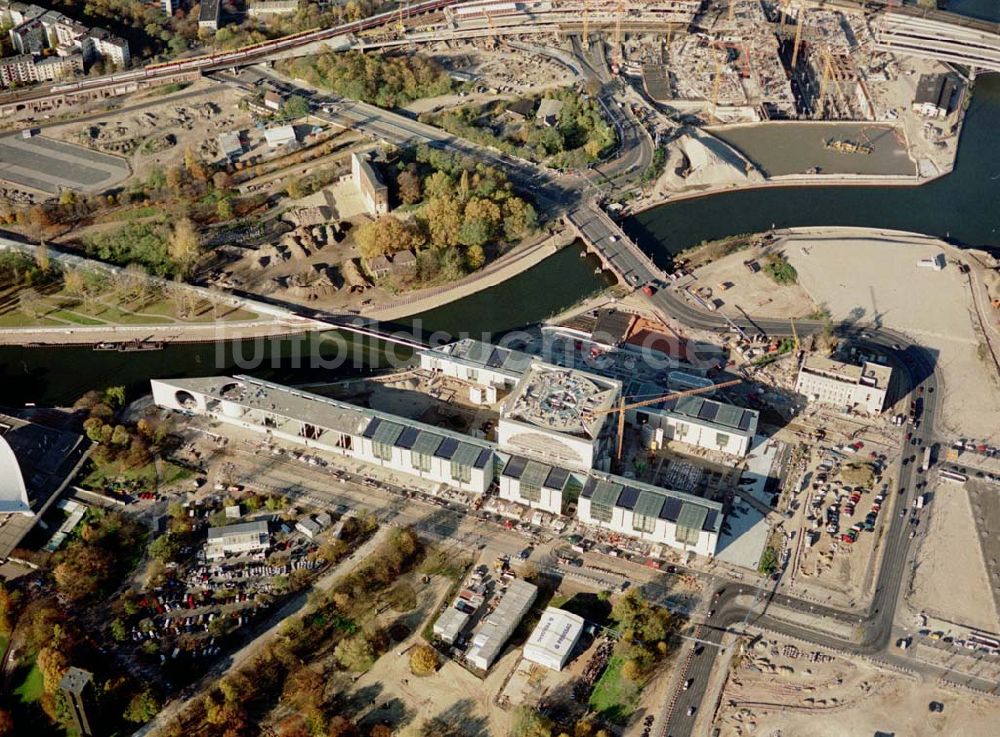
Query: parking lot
[49, 166]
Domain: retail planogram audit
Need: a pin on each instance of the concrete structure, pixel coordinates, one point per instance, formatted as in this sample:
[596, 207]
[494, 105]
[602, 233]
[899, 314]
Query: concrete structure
[548, 434]
[934, 95]
[969, 43]
[247, 537]
[656, 515]
[856, 388]
[167, 6]
[548, 111]
[497, 628]
[373, 437]
[557, 415]
[553, 640]
[450, 624]
[230, 145]
[273, 100]
[208, 18]
[373, 191]
[536, 484]
[478, 363]
[37, 462]
[54, 68]
[281, 136]
[13, 492]
[308, 527]
[700, 422]
[107, 46]
[258, 8]
[78, 688]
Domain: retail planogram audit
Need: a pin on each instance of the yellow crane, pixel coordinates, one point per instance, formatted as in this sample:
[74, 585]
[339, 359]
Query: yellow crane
[622, 408]
[799, 22]
[586, 23]
[618, 25]
[795, 334]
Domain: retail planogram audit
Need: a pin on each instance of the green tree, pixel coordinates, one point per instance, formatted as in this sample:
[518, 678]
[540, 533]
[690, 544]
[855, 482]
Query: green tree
[439, 184]
[529, 723]
[355, 653]
[114, 396]
[296, 106]
[519, 218]
[142, 707]
[118, 631]
[475, 257]
[479, 222]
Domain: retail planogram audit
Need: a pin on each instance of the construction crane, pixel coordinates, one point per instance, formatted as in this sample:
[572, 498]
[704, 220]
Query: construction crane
[620, 11]
[795, 334]
[622, 408]
[586, 23]
[715, 86]
[800, 20]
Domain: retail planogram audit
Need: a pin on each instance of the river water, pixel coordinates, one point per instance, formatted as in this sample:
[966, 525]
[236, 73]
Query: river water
[964, 206]
[984, 9]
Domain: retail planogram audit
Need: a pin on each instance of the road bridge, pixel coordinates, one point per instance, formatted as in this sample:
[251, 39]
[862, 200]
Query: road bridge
[912, 35]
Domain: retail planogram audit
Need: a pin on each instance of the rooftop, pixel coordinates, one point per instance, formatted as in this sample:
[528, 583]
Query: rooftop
[565, 400]
[485, 355]
[652, 501]
[717, 414]
[244, 528]
[556, 633]
[871, 374]
[332, 414]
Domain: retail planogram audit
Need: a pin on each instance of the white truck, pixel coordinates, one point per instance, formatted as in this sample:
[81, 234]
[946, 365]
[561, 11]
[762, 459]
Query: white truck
[918, 503]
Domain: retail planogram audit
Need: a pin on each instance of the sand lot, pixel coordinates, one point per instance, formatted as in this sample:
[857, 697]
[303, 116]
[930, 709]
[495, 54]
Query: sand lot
[792, 689]
[950, 580]
[874, 279]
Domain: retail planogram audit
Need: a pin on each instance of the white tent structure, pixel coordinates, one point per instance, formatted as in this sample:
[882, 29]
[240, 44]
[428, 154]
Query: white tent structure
[13, 494]
[554, 638]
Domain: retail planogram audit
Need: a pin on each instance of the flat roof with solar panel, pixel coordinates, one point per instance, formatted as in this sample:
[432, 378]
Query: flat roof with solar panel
[652, 501]
[478, 354]
[722, 416]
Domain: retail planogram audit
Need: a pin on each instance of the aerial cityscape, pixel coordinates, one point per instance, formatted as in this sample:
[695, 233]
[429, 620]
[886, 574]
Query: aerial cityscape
[488, 368]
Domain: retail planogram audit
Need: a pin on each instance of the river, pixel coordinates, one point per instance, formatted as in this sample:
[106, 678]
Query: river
[962, 206]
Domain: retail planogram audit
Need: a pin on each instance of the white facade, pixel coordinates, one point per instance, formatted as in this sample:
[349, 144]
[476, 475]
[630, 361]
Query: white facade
[477, 363]
[858, 388]
[257, 8]
[13, 492]
[702, 423]
[497, 628]
[534, 484]
[282, 136]
[450, 624]
[376, 438]
[652, 514]
[249, 537]
[559, 416]
[553, 640]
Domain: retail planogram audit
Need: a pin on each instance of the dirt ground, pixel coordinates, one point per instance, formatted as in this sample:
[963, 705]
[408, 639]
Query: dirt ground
[790, 689]
[452, 694]
[757, 294]
[950, 579]
[157, 130]
[872, 278]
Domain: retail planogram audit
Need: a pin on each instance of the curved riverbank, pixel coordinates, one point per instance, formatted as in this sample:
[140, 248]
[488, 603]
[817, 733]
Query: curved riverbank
[959, 207]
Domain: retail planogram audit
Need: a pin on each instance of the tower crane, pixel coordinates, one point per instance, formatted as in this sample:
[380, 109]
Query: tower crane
[622, 408]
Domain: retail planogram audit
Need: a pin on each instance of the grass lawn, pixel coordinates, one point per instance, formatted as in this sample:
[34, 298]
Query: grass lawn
[30, 689]
[614, 696]
[75, 318]
[103, 473]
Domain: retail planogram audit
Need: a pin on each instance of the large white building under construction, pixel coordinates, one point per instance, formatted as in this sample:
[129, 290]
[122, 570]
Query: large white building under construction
[555, 436]
[856, 388]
